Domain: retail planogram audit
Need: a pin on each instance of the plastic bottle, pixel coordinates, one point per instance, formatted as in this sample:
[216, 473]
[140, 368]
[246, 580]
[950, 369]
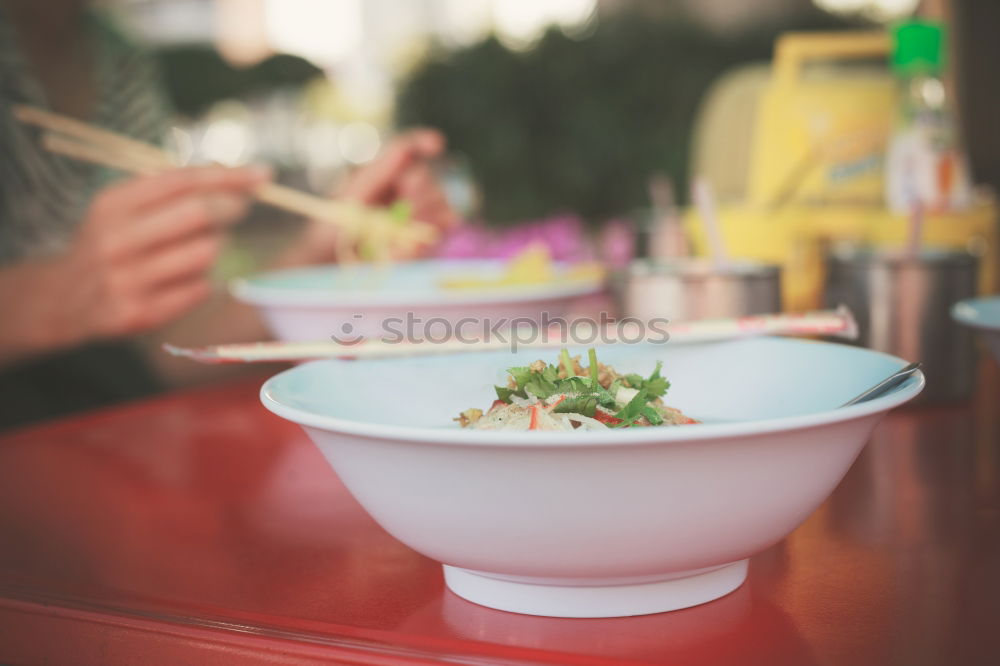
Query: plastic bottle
[926, 168]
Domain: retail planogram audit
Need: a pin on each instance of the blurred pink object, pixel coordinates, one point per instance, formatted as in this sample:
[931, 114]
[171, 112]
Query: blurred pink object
[564, 235]
[617, 243]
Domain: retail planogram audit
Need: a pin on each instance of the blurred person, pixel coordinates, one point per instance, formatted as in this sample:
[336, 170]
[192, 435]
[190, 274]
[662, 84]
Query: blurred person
[90, 260]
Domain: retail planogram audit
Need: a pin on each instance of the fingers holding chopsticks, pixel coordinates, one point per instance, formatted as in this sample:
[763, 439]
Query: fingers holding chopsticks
[144, 253]
[377, 183]
[338, 230]
[143, 212]
[419, 186]
[403, 172]
[147, 190]
[374, 186]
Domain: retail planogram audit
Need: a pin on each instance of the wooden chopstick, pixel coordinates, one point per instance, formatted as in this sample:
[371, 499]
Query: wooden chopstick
[86, 133]
[85, 152]
[79, 140]
[834, 323]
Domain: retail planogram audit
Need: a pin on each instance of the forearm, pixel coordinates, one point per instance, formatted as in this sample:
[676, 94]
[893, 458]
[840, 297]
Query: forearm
[221, 319]
[36, 307]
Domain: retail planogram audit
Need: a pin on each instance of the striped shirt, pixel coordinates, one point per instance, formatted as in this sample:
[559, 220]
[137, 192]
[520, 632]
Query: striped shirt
[43, 197]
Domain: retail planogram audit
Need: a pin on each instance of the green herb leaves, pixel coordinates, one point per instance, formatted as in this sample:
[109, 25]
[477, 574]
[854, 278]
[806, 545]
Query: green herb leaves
[539, 381]
[584, 393]
[504, 393]
[581, 404]
[636, 408]
[655, 386]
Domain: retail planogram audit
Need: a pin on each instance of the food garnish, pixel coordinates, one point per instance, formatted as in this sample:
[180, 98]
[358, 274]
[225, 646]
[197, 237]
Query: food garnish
[569, 396]
[533, 265]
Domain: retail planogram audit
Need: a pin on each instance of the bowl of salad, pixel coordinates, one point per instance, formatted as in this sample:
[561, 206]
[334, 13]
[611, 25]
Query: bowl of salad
[983, 315]
[619, 480]
[366, 300]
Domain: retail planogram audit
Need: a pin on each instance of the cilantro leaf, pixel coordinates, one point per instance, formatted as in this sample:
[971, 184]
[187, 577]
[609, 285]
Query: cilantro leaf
[543, 384]
[504, 393]
[521, 375]
[584, 392]
[633, 410]
[655, 386]
[654, 417]
[581, 404]
[583, 386]
[575, 385]
[540, 388]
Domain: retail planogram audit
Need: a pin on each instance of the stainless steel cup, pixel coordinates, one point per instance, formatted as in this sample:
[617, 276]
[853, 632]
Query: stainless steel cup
[902, 306]
[687, 289]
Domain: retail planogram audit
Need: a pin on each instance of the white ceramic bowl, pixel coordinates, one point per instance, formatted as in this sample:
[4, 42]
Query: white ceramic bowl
[315, 303]
[982, 314]
[603, 523]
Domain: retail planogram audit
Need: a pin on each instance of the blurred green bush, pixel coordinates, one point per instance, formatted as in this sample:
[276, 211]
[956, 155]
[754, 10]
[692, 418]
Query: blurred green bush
[579, 124]
[196, 76]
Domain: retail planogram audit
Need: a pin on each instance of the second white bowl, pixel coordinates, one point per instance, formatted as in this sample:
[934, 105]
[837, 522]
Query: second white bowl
[317, 303]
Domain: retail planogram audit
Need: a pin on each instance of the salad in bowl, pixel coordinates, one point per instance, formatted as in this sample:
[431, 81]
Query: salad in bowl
[568, 396]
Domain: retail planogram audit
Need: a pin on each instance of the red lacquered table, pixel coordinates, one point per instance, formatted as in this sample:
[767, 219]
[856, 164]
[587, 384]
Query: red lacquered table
[198, 528]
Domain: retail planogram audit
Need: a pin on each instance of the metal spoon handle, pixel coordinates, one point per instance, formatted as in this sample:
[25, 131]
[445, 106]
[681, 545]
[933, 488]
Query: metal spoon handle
[886, 385]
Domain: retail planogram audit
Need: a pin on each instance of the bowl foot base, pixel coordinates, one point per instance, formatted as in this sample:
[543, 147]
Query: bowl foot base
[554, 600]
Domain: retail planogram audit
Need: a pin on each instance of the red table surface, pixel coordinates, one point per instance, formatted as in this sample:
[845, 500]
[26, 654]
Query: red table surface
[200, 528]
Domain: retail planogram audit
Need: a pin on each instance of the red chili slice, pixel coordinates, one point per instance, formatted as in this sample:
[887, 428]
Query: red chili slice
[606, 419]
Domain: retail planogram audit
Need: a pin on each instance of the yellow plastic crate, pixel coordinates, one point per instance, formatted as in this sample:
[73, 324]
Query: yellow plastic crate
[796, 238]
[823, 121]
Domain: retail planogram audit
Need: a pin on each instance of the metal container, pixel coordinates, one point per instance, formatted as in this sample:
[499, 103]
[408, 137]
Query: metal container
[688, 289]
[902, 305]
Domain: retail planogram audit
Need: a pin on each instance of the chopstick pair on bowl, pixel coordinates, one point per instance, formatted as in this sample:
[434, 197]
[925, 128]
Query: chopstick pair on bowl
[378, 230]
[835, 323]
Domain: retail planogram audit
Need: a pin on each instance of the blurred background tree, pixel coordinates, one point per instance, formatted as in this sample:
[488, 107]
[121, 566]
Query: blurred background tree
[580, 121]
[197, 76]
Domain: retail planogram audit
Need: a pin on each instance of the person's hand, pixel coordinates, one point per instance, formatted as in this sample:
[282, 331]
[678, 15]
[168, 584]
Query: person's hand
[143, 254]
[402, 172]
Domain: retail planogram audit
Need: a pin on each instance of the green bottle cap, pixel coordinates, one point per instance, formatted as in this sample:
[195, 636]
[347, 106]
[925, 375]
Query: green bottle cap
[918, 47]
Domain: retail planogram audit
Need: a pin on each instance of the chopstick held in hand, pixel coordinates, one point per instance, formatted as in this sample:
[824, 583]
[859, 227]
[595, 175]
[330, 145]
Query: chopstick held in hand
[79, 140]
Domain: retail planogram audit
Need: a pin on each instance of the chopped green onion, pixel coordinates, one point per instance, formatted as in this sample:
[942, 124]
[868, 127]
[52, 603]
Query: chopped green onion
[567, 363]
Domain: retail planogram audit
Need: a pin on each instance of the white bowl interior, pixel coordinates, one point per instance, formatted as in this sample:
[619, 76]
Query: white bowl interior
[979, 312]
[722, 382]
[982, 314]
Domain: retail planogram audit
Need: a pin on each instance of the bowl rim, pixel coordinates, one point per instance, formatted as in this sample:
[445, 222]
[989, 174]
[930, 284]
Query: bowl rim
[895, 257]
[246, 290]
[617, 438]
[962, 317]
[701, 268]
